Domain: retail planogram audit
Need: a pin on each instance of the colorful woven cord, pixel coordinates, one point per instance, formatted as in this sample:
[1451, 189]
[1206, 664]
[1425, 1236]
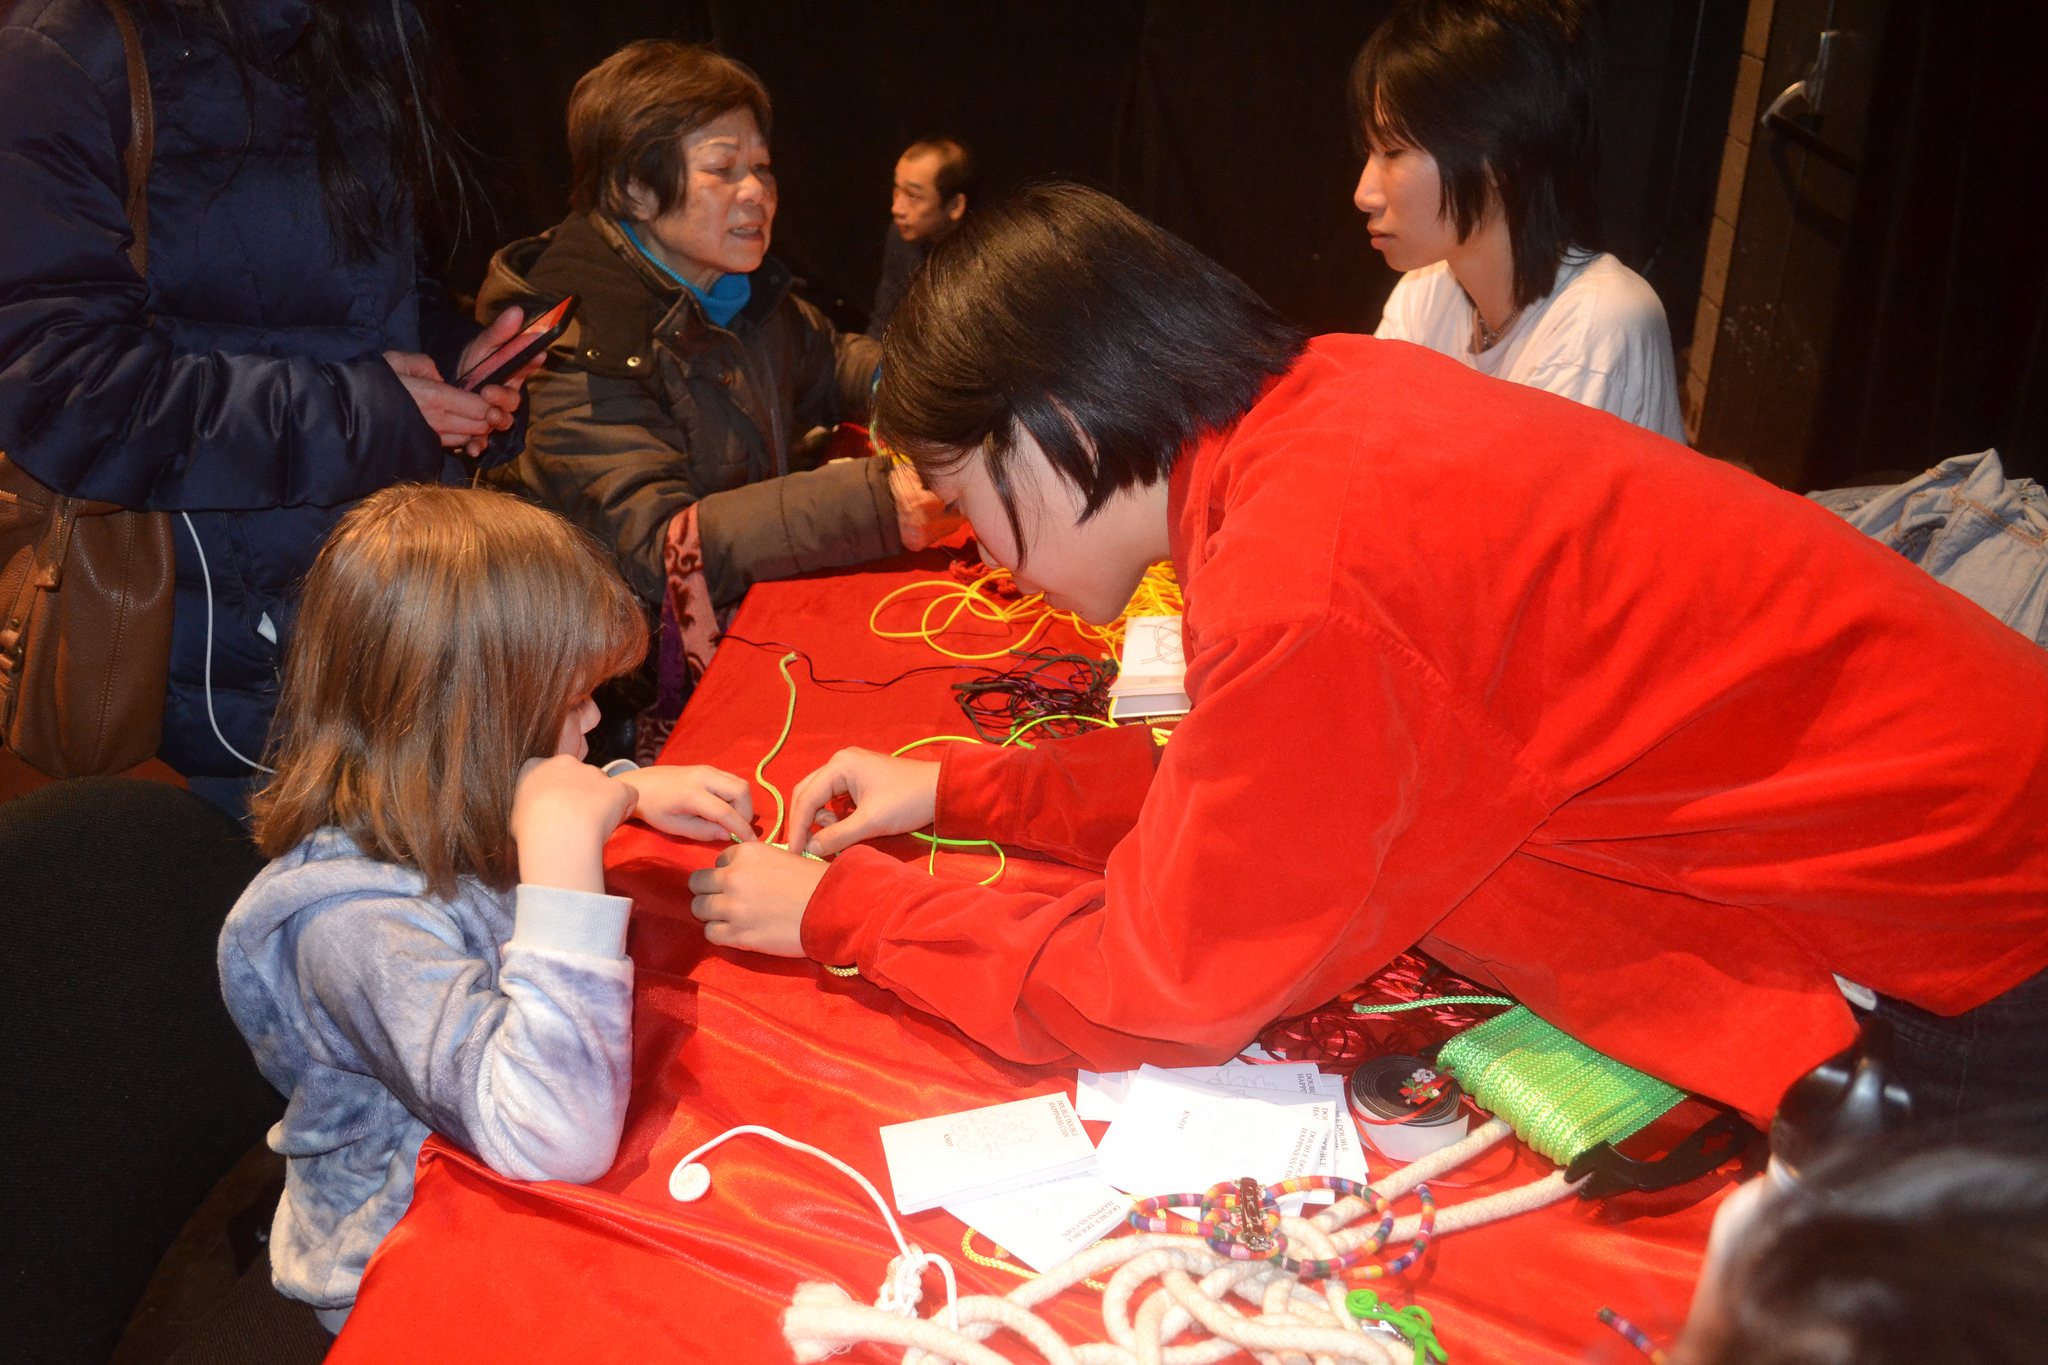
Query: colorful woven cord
[1561, 1096]
[1224, 1216]
[1412, 1322]
[1633, 1334]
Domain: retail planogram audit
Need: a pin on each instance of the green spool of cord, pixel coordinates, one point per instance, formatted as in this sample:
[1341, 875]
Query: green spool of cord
[1561, 1097]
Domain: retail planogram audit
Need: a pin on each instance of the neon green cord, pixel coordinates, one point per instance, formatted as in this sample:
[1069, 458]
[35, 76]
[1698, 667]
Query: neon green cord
[1560, 1096]
[935, 739]
[1433, 1000]
[1092, 720]
[931, 863]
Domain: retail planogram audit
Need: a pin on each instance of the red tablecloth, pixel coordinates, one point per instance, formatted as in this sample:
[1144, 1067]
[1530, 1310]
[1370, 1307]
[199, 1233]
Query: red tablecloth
[484, 1268]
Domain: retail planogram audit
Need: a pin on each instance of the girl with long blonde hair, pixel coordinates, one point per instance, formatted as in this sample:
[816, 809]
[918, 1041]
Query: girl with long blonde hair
[432, 947]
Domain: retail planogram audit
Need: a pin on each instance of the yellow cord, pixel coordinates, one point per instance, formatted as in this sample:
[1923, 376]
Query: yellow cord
[1158, 594]
[760, 769]
[1015, 737]
[935, 739]
[967, 1250]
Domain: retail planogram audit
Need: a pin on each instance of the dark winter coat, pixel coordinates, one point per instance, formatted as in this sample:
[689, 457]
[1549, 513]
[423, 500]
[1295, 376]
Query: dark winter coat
[242, 383]
[901, 261]
[645, 407]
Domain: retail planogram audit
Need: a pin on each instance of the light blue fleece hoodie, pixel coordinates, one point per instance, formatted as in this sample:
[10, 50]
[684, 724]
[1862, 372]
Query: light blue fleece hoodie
[502, 1022]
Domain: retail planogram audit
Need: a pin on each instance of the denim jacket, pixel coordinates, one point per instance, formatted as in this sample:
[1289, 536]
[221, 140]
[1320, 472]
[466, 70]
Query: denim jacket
[1975, 530]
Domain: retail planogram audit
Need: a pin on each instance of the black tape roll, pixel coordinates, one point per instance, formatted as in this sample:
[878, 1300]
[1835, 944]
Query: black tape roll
[1376, 1093]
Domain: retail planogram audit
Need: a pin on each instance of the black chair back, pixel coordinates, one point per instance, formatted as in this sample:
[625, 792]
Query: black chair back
[125, 1091]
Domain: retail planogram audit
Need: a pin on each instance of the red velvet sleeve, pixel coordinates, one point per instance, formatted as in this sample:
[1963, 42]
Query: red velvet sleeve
[1267, 868]
[1073, 799]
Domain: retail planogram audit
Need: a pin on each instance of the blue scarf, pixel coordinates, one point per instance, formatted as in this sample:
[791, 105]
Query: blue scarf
[722, 303]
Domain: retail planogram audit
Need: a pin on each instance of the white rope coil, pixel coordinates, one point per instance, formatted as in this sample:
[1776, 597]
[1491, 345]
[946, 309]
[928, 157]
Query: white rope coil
[1285, 1322]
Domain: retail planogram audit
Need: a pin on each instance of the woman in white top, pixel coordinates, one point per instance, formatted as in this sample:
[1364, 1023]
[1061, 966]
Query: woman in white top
[1482, 157]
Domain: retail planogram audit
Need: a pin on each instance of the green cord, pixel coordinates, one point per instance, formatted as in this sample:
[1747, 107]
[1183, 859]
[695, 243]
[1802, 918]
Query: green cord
[1092, 720]
[1433, 1000]
[1002, 859]
[1413, 1323]
[935, 739]
[1560, 1096]
[932, 863]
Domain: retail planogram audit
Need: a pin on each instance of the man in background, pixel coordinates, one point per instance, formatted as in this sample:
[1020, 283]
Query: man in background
[934, 181]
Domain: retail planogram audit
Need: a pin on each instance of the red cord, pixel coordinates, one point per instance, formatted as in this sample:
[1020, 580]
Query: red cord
[1339, 1039]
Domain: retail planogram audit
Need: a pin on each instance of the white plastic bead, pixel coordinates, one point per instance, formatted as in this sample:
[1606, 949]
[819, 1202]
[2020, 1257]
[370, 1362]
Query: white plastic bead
[689, 1182]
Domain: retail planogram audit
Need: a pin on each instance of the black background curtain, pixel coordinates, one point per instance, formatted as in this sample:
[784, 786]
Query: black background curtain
[1942, 344]
[1224, 120]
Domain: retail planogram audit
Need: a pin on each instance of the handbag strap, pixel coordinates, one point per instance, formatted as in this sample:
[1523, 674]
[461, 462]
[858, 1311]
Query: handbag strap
[47, 568]
[141, 135]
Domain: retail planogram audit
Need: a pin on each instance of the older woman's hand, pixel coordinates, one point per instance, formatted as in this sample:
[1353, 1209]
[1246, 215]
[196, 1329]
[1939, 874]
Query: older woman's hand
[464, 420]
[921, 519]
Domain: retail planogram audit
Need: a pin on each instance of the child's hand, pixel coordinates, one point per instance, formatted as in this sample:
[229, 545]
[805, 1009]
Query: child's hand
[562, 812]
[697, 802]
[755, 898]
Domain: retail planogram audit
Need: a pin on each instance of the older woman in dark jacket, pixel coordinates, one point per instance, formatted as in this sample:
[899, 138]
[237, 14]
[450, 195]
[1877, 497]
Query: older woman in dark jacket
[671, 420]
[284, 355]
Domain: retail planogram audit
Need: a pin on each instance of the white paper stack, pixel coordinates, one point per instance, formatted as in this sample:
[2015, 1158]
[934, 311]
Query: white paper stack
[1042, 1225]
[1151, 678]
[1177, 1133]
[1187, 1114]
[1025, 1176]
[1347, 1154]
[1100, 1096]
[956, 1158]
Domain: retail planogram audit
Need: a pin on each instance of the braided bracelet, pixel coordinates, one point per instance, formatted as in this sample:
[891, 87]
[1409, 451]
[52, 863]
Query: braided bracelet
[1241, 1220]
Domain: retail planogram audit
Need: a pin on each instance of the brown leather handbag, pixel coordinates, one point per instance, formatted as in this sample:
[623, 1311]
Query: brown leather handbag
[85, 641]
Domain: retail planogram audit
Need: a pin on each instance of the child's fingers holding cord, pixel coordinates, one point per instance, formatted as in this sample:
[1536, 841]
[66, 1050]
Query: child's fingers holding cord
[738, 796]
[696, 802]
[759, 893]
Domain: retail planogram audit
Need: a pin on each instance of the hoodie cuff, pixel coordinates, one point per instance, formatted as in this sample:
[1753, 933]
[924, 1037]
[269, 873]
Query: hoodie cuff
[571, 921]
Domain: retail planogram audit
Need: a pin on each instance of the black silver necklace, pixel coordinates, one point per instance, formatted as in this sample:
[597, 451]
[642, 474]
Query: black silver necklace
[1485, 338]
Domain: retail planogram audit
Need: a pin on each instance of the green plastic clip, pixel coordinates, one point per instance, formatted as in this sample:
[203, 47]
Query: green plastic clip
[1412, 1322]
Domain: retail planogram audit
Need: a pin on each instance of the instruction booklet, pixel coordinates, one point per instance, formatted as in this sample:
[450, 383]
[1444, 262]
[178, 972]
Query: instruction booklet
[977, 1153]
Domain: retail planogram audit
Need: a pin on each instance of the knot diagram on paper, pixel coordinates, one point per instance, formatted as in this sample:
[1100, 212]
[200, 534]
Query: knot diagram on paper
[1162, 648]
[992, 1135]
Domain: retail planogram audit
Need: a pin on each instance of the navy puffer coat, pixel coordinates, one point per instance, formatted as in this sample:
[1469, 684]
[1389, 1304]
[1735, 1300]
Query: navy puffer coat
[243, 383]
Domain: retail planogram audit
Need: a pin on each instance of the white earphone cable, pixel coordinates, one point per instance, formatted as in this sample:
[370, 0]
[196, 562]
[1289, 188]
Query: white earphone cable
[900, 1293]
[206, 575]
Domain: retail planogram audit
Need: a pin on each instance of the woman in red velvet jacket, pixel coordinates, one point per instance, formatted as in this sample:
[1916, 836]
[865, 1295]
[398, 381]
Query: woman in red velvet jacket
[1643, 740]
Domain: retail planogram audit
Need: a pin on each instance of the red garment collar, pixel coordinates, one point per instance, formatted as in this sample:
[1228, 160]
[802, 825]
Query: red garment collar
[1193, 502]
